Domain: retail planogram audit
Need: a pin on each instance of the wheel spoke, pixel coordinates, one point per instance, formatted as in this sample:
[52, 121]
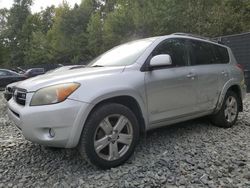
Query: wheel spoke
[232, 102]
[226, 110]
[122, 121]
[229, 117]
[231, 109]
[101, 144]
[106, 126]
[113, 151]
[125, 139]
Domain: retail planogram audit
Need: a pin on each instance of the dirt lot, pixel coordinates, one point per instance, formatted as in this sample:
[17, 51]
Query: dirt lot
[190, 154]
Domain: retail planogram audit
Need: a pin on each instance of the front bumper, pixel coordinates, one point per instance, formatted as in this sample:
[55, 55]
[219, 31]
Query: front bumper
[66, 119]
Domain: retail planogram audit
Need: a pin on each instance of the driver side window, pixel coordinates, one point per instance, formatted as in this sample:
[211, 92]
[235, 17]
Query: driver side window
[176, 48]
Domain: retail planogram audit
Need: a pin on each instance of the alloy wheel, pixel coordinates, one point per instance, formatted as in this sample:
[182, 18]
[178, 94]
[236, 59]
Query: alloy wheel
[231, 109]
[113, 137]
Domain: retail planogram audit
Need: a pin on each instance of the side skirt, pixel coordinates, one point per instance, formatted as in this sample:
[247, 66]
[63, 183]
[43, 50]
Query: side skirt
[177, 119]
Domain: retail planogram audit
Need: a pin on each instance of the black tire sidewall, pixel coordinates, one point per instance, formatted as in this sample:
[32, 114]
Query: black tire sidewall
[93, 122]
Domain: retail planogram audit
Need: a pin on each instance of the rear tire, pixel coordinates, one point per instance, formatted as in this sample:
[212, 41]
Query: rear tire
[228, 114]
[109, 136]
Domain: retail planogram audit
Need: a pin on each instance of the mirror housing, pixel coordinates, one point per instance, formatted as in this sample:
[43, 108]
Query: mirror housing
[160, 60]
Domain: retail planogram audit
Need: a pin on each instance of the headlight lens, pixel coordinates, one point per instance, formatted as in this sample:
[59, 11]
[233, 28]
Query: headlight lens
[53, 94]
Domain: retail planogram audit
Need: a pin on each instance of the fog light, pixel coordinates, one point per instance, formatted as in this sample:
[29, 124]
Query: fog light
[51, 133]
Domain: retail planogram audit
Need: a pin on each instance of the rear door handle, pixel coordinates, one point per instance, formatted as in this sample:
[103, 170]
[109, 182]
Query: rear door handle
[224, 73]
[191, 75]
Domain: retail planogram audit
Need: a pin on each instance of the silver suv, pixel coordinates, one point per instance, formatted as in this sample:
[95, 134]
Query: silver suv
[103, 108]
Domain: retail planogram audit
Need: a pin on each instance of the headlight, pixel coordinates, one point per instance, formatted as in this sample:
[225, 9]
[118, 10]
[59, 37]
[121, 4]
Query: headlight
[53, 94]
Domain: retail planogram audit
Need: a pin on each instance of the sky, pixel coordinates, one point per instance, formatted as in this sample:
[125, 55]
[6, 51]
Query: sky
[37, 4]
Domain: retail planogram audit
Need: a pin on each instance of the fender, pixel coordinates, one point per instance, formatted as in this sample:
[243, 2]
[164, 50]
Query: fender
[125, 92]
[95, 100]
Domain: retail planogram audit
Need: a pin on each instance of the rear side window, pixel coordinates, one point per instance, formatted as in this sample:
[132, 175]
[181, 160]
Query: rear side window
[40, 70]
[221, 55]
[176, 48]
[4, 73]
[203, 53]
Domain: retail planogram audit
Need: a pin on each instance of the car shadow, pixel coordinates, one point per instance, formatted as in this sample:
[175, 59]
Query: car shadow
[71, 159]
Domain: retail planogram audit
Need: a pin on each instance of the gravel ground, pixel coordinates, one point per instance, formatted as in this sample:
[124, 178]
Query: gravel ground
[190, 154]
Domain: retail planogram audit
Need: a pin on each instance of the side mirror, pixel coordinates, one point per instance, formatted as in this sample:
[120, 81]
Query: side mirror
[161, 60]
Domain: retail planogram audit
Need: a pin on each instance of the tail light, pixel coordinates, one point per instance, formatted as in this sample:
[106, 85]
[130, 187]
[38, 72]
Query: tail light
[241, 67]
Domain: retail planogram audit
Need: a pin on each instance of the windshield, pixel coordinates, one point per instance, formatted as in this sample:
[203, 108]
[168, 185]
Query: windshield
[125, 54]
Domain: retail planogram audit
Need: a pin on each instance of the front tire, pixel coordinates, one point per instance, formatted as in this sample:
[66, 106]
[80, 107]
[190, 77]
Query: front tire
[228, 114]
[109, 136]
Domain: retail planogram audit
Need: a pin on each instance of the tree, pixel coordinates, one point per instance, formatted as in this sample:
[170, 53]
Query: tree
[118, 26]
[68, 34]
[14, 34]
[4, 50]
[73, 35]
[94, 35]
[39, 51]
[47, 19]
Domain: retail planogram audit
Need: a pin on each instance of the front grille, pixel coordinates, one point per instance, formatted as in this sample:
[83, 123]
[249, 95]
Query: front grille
[20, 96]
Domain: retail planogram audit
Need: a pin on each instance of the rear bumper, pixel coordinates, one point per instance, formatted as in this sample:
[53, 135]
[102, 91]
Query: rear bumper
[66, 119]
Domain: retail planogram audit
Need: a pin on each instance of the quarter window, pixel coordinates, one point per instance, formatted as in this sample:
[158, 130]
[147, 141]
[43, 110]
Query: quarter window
[176, 49]
[3, 73]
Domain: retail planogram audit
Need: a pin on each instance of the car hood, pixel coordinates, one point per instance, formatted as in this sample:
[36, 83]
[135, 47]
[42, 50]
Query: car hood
[76, 75]
[13, 84]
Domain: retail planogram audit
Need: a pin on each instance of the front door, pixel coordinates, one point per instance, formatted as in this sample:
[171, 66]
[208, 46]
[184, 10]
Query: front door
[170, 90]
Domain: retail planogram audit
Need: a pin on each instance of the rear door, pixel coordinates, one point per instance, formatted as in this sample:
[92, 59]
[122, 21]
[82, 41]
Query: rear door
[221, 62]
[170, 90]
[203, 64]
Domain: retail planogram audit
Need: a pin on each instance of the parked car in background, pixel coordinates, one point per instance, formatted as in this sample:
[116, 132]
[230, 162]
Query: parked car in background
[134, 87]
[8, 77]
[34, 72]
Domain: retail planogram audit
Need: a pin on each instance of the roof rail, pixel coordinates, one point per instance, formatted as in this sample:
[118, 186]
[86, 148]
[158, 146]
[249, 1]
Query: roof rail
[198, 36]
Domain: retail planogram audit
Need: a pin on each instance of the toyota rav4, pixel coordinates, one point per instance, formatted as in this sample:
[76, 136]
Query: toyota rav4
[104, 107]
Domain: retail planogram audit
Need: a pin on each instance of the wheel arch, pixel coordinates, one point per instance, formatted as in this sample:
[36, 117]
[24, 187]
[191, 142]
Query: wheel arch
[132, 102]
[129, 102]
[229, 87]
